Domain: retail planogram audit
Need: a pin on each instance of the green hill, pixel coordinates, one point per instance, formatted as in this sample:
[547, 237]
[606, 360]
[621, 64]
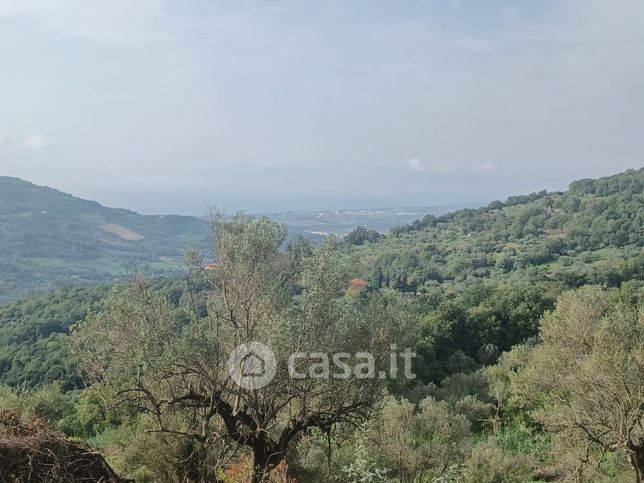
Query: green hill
[482, 277]
[50, 239]
[592, 233]
[33, 331]
[470, 287]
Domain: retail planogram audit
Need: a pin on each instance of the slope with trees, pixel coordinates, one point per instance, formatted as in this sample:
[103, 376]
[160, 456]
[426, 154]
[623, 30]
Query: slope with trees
[592, 233]
[522, 374]
[51, 239]
[175, 372]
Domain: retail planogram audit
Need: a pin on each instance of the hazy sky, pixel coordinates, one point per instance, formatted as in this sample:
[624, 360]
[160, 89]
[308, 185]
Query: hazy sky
[170, 106]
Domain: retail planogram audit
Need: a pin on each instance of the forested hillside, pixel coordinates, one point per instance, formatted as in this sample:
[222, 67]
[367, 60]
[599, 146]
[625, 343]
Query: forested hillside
[482, 277]
[33, 346]
[51, 239]
[592, 233]
[526, 318]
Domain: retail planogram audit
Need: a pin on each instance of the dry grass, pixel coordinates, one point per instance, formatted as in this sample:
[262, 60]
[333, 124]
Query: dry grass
[122, 232]
[33, 453]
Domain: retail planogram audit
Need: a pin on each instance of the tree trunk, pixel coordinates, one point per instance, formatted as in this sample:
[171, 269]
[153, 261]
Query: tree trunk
[265, 459]
[259, 464]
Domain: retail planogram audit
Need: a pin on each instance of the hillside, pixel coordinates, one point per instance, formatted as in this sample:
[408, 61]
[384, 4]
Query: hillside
[592, 233]
[485, 276]
[33, 331]
[482, 297]
[51, 239]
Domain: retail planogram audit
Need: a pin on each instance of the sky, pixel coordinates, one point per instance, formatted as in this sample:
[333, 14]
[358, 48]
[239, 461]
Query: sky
[171, 107]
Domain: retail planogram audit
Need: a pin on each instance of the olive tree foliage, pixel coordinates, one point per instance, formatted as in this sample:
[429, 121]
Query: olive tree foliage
[488, 463]
[420, 442]
[173, 366]
[587, 377]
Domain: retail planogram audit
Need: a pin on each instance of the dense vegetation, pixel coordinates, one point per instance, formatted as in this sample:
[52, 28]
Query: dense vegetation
[592, 233]
[526, 317]
[51, 239]
[33, 346]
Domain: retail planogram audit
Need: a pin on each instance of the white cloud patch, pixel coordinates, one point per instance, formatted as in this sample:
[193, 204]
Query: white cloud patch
[417, 165]
[34, 143]
[484, 167]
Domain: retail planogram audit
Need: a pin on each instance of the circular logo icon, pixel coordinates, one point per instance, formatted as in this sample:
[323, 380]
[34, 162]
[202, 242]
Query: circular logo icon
[252, 365]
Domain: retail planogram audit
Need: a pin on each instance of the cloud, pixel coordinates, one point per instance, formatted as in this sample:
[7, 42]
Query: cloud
[34, 143]
[484, 167]
[546, 91]
[417, 165]
[123, 22]
[146, 23]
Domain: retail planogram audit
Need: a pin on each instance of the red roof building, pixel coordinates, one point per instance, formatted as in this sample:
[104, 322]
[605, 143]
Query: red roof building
[357, 284]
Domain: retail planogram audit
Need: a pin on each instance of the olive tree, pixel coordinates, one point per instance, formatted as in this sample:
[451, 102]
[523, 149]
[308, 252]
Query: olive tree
[184, 369]
[587, 375]
[420, 442]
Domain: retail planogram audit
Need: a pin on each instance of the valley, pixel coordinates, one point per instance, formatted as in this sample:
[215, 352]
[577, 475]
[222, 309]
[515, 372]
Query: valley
[50, 239]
